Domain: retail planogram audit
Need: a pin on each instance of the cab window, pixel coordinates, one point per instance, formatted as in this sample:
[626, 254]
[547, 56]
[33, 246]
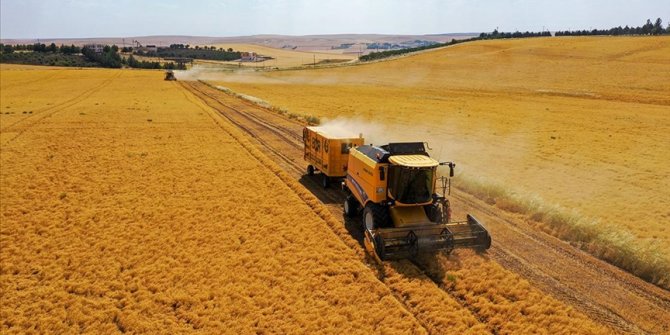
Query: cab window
[346, 147]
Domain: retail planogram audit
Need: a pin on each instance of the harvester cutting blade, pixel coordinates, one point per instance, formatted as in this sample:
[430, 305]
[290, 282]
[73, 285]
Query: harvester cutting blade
[408, 242]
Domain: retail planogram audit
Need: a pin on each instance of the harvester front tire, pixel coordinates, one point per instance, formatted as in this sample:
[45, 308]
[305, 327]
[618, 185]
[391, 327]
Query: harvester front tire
[350, 206]
[310, 170]
[375, 216]
[437, 213]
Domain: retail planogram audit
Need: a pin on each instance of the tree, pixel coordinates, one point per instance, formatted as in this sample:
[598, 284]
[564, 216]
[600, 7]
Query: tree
[658, 27]
[39, 47]
[132, 62]
[107, 58]
[115, 48]
[646, 29]
[7, 49]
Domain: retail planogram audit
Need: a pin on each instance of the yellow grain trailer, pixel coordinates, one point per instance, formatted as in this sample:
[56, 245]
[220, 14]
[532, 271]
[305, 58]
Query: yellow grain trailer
[327, 151]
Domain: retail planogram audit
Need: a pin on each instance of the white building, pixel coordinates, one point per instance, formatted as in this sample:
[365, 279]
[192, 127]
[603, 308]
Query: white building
[97, 48]
[248, 56]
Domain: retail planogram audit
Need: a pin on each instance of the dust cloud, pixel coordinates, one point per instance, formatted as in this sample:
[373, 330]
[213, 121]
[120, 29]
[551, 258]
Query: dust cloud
[379, 133]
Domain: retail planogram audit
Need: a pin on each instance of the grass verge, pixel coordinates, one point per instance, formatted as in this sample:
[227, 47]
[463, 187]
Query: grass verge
[611, 243]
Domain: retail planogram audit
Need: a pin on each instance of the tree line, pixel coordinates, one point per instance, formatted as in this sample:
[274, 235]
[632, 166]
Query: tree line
[197, 47]
[185, 51]
[389, 53]
[41, 47]
[71, 55]
[648, 28]
[517, 34]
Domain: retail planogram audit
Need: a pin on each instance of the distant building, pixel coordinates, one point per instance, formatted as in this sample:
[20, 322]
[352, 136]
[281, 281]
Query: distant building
[97, 48]
[248, 56]
[151, 47]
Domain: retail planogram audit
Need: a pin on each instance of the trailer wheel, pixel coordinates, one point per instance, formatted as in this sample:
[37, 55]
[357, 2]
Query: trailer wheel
[325, 180]
[375, 216]
[350, 206]
[310, 170]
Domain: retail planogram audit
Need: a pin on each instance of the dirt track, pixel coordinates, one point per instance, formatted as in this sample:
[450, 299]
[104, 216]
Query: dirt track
[606, 294]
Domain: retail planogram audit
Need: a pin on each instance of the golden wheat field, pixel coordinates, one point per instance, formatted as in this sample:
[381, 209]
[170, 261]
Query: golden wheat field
[583, 122]
[284, 58]
[128, 205]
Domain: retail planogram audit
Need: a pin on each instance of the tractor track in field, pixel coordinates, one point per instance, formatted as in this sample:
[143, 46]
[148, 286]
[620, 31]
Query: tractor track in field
[49, 77]
[40, 115]
[603, 292]
[255, 130]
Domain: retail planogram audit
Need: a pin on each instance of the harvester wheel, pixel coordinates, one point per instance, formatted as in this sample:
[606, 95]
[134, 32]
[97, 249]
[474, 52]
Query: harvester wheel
[436, 213]
[375, 216]
[325, 180]
[310, 170]
[486, 243]
[379, 247]
[350, 206]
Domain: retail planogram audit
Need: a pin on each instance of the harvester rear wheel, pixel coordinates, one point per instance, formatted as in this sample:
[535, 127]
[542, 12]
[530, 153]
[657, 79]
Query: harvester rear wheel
[310, 170]
[351, 206]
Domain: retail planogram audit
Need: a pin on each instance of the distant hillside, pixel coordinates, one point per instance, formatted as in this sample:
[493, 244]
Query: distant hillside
[303, 43]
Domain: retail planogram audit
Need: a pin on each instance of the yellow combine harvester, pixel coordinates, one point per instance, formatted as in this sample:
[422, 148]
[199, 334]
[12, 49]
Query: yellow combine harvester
[402, 214]
[169, 75]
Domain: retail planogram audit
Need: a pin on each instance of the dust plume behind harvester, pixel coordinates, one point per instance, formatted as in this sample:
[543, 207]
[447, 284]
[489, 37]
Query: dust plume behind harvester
[394, 186]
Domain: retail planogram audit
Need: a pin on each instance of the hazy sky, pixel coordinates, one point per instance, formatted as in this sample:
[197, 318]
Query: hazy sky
[116, 18]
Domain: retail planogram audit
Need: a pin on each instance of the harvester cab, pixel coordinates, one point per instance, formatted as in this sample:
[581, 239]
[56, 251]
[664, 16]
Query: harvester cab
[394, 187]
[169, 75]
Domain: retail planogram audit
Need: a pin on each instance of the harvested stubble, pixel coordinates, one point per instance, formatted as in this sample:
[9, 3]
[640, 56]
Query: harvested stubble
[112, 223]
